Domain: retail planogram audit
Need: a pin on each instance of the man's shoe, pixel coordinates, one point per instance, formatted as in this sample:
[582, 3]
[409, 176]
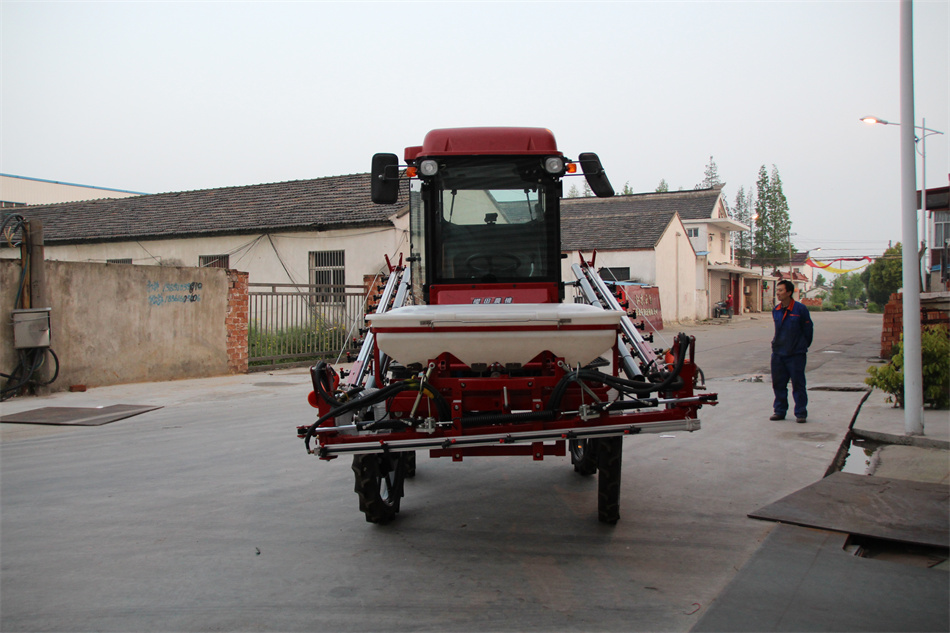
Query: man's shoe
[801, 420]
[776, 416]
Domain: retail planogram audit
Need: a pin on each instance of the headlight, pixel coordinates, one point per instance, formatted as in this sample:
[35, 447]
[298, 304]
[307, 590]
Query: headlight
[554, 165]
[428, 167]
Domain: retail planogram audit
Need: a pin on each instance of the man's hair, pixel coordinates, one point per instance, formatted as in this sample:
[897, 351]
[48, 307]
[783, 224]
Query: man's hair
[789, 286]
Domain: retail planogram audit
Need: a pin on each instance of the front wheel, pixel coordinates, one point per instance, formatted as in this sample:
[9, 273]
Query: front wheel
[379, 484]
[584, 456]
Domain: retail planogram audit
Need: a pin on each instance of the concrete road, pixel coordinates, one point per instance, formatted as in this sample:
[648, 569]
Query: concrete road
[207, 515]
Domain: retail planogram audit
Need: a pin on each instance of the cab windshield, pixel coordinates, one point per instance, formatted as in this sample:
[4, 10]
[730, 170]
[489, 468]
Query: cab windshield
[491, 223]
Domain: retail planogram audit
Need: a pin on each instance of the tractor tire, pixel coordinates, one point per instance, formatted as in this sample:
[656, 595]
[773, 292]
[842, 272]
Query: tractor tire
[609, 462]
[584, 456]
[410, 464]
[379, 485]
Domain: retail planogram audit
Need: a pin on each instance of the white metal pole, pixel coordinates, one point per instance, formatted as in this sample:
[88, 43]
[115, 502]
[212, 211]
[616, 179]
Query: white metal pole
[913, 380]
[925, 259]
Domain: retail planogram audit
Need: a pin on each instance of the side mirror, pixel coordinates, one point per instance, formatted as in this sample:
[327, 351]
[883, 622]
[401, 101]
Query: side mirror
[384, 183]
[594, 173]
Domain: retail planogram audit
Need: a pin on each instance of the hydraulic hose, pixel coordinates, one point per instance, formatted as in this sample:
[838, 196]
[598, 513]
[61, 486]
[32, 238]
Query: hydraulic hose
[635, 387]
[381, 395]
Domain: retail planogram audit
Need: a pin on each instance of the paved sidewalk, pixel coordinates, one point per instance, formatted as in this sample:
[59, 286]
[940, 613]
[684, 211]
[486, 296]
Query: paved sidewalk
[804, 578]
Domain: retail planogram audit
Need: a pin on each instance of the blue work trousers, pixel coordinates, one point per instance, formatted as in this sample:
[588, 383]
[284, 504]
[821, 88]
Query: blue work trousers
[785, 368]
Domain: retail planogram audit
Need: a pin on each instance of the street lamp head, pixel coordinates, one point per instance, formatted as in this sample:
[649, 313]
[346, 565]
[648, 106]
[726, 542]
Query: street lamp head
[871, 120]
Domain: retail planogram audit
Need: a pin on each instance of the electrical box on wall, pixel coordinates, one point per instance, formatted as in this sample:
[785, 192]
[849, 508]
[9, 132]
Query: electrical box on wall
[31, 328]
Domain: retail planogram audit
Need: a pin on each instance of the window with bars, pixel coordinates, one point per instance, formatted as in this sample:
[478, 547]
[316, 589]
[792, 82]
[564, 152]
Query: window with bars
[120, 260]
[213, 261]
[327, 274]
[615, 274]
[692, 232]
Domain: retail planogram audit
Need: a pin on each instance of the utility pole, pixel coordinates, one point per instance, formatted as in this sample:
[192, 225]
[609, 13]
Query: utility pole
[913, 368]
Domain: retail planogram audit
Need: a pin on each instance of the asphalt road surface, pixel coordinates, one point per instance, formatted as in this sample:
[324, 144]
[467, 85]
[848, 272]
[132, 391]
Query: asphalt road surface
[207, 514]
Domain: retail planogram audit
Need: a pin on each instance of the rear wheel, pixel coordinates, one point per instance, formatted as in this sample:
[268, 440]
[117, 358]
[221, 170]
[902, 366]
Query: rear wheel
[609, 461]
[584, 456]
[379, 484]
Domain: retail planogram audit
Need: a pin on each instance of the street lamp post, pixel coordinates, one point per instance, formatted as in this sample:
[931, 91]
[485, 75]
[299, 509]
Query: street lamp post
[913, 369]
[924, 223]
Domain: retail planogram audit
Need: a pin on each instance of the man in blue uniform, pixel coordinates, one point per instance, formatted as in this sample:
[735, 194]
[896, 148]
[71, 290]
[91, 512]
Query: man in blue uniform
[793, 335]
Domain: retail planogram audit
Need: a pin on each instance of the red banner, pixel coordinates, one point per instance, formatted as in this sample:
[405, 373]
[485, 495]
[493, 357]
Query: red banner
[646, 301]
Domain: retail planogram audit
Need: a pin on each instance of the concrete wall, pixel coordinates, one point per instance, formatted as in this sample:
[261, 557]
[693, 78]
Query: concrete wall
[116, 323]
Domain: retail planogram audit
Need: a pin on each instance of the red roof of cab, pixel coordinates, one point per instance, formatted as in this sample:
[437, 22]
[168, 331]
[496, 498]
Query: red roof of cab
[485, 141]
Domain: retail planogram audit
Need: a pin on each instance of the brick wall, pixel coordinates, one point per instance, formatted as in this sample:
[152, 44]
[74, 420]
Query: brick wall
[237, 321]
[373, 286]
[894, 322]
[811, 303]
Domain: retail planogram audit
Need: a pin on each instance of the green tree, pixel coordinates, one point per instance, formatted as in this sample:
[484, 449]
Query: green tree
[711, 177]
[773, 226]
[885, 275]
[743, 213]
[820, 280]
[848, 289]
[627, 190]
[761, 207]
[663, 187]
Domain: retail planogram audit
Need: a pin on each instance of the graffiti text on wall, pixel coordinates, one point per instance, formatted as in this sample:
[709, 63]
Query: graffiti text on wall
[160, 294]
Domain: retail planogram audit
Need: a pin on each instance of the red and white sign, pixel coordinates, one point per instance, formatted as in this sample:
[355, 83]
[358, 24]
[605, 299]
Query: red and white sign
[646, 301]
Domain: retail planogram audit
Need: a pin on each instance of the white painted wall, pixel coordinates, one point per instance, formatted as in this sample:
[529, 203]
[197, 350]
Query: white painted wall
[277, 258]
[35, 191]
[642, 264]
[676, 273]
[673, 267]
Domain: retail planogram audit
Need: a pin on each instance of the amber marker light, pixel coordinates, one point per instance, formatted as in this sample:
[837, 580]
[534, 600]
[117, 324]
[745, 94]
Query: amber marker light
[411, 172]
[572, 168]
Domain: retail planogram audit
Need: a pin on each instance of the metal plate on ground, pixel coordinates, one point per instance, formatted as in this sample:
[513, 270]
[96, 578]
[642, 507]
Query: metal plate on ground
[893, 509]
[77, 416]
[801, 579]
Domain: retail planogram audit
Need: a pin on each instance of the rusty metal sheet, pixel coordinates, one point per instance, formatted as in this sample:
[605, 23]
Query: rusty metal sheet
[77, 416]
[893, 509]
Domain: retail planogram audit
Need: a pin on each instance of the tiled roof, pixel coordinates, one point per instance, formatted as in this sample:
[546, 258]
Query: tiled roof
[795, 276]
[319, 204]
[695, 204]
[617, 223]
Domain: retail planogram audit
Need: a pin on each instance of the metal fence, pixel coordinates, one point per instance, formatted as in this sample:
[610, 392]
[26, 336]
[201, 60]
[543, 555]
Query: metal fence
[293, 323]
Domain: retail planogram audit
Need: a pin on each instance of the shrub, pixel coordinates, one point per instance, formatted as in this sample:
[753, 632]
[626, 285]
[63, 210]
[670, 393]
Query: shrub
[935, 352]
[875, 308]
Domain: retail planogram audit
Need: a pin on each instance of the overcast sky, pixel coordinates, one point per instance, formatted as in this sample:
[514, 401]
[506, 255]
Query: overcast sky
[175, 96]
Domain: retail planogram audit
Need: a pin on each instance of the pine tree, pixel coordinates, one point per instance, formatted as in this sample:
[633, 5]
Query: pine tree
[781, 222]
[743, 213]
[760, 235]
[663, 187]
[627, 190]
[711, 178]
[587, 192]
[573, 192]
[773, 225]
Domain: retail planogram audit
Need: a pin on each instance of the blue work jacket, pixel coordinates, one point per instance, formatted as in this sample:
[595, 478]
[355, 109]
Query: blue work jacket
[793, 329]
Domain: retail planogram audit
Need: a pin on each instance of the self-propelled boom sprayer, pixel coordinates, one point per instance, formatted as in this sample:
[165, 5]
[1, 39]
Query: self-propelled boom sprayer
[473, 350]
